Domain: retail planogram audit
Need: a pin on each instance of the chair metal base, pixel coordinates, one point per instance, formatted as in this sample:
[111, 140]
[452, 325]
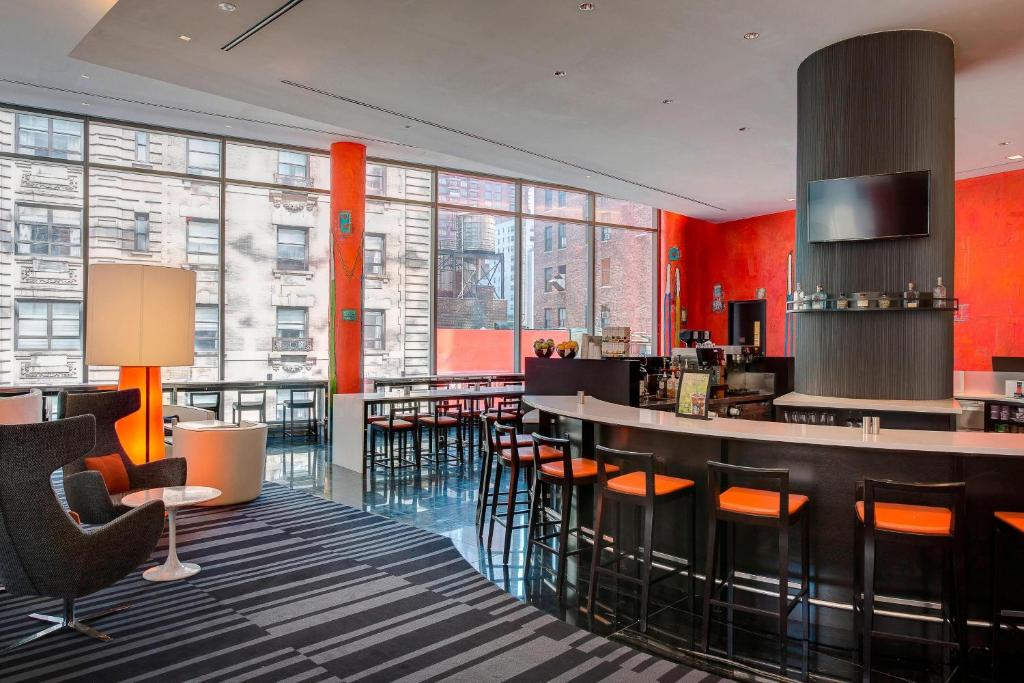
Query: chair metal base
[70, 621]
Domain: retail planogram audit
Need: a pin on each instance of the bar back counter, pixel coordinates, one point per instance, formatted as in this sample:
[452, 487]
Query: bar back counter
[825, 464]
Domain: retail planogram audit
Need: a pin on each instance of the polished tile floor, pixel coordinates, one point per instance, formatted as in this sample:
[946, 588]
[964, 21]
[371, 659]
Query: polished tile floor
[444, 501]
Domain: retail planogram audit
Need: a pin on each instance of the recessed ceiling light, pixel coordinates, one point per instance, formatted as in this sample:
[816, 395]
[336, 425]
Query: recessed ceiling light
[744, 129]
[85, 76]
[586, 6]
[85, 104]
[184, 37]
[667, 101]
[1015, 157]
[560, 74]
[227, 125]
[753, 35]
[227, 7]
[1004, 143]
[790, 199]
[588, 176]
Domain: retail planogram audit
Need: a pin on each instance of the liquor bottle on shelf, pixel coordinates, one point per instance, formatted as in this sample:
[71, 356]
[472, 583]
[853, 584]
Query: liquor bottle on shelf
[862, 300]
[798, 298]
[939, 294]
[884, 301]
[911, 297]
[819, 299]
[842, 301]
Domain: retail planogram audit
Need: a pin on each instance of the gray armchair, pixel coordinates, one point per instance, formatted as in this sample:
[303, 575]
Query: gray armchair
[86, 493]
[43, 552]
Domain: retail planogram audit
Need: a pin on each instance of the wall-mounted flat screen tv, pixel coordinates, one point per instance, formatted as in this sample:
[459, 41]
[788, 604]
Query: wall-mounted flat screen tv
[868, 207]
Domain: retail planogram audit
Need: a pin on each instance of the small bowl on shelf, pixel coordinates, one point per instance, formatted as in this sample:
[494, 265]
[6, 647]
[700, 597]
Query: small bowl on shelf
[567, 353]
[543, 352]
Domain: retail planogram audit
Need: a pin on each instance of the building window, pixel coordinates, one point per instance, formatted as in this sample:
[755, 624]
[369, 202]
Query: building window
[554, 279]
[604, 234]
[142, 146]
[606, 315]
[548, 274]
[547, 237]
[292, 168]
[207, 339]
[373, 255]
[141, 232]
[203, 157]
[547, 318]
[292, 248]
[203, 236]
[606, 272]
[563, 239]
[42, 325]
[562, 197]
[49, 231]
[563, 319]
[375, 180]
[548, 196]
[373, 330]
[291, 322]
[44, 136]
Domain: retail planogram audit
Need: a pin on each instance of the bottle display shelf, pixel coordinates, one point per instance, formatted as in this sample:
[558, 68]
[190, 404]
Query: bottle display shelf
[873, 304]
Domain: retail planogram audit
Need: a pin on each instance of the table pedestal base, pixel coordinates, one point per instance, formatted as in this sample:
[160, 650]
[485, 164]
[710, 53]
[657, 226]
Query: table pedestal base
[172, 569]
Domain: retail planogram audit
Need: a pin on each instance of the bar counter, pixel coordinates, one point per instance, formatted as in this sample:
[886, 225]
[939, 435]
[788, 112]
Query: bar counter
[825, 464]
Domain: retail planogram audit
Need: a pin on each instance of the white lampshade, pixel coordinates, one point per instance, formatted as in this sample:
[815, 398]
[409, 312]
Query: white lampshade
[140, 316]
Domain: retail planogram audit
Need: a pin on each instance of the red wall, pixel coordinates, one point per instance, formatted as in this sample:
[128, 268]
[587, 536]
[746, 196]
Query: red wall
[750, 253]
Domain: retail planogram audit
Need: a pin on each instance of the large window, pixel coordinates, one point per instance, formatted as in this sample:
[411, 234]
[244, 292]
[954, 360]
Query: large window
[203, 157]
[207, 326]
[45, 136]
[47, 325]
[373, 330]
[373, 256]
[49, 231]
[291, 322]
[292, 248]
[293, 168]
[623, 299]
[203, 237]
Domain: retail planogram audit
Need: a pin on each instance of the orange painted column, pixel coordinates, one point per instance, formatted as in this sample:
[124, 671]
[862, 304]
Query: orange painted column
[671, 280]
[348, 217]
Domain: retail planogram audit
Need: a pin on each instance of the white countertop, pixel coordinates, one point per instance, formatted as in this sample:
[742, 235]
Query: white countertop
[602, 412]
[946, 406]
[982, 396]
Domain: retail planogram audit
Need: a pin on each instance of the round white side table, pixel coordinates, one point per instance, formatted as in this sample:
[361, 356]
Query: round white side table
[174, 497]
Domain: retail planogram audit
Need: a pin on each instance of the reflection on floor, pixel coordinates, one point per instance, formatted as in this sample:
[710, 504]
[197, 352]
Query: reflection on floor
[445, 503]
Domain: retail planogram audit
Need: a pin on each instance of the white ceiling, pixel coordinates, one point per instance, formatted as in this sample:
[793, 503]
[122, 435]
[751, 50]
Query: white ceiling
[469, 83]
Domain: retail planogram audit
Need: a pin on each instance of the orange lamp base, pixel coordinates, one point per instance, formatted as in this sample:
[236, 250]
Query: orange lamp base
[142, 432]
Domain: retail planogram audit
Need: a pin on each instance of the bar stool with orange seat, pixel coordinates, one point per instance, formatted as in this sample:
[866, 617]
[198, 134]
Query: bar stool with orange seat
[493, 445]
[445, 418]
[563, 475]
[1007, 525]
[401, 422]
[644, 490]
[518, 460]
[911, 523]
[757, 507]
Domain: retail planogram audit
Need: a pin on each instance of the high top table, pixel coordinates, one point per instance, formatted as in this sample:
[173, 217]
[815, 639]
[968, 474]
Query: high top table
[350, 412]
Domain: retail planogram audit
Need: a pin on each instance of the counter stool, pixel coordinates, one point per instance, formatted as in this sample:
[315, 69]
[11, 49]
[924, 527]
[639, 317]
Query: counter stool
[249, 401]
[756, 507]
[644, 490]
[472, 409]
[493, 445]
[508, 411]
[395, 426]
[304, 400]
[563, 475]
[1007, 524]
[518, 460]
[911, 523]
[447, 416]
[207, 400]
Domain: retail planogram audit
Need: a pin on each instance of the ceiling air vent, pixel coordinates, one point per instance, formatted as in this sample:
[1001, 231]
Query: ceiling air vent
[259, 25]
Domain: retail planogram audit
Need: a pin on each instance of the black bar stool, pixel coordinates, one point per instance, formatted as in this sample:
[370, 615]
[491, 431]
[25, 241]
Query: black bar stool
[563, 476]
[446, 417]
[519, 461]
[304, 400]
[911, 523]
[508, 410]
[401, 422]
[1006, 524]
[644, 490]
[757, 507]
[207, 400]
[493, 446]
[249, 401]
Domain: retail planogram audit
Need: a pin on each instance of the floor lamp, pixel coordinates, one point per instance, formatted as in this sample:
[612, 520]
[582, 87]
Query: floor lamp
[141, 318]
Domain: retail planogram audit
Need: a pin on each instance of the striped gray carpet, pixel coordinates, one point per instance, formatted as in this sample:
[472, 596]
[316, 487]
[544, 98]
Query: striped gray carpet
[296, 588]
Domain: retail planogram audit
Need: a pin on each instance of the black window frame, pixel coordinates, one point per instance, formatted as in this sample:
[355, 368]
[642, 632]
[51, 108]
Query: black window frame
[287, 263]
[74, 250]
[49, 326]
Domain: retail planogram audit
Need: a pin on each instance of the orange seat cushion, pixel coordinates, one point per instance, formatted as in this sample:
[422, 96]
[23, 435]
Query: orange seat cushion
[635, 484]
[521, 440]
[504, 415]
[113, 471]
[582, 468]
[443, 421]
[397, 424]
[757, 502]
[526, 454]
[910, 519]
[1014, 519]
[377, 418]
